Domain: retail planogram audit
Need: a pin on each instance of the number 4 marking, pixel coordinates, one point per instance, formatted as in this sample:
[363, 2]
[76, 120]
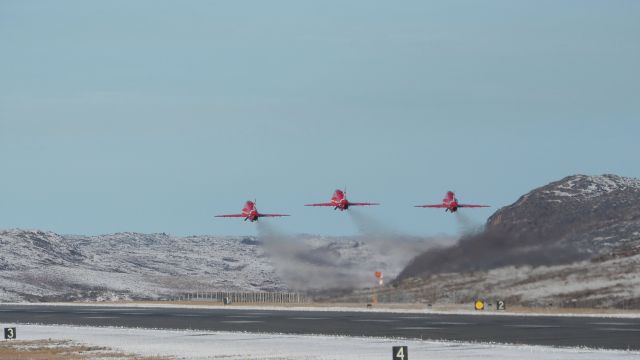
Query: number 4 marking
[400, 353]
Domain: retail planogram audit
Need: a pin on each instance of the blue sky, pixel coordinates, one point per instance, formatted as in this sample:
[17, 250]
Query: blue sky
[154, 116]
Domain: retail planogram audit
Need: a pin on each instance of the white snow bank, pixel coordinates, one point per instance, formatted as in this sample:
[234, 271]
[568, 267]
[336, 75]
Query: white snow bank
[191, 344]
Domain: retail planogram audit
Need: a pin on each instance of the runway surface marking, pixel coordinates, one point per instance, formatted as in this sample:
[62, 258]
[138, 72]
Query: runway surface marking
[307, 318]
[619, 329]
[417, 328]
[241, 321]
[413, 317]
[530, 326]
[136, 313]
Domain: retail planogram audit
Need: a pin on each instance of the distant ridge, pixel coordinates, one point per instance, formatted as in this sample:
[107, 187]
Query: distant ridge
[44, 266]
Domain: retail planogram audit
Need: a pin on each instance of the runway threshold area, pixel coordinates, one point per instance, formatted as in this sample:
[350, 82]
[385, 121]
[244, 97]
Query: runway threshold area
[570, 331]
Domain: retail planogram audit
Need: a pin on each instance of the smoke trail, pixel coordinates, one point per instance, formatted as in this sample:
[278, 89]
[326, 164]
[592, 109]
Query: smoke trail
[368, 226]
[398, 249]
[315, 263]
[303, 265]
[466, 226]
[267, 231]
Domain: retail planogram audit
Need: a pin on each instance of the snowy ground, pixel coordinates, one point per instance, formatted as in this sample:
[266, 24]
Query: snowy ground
[189, 344]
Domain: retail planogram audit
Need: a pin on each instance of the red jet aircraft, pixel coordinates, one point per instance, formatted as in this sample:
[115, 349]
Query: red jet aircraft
[339, 201]
[250, 212]
[450, 203]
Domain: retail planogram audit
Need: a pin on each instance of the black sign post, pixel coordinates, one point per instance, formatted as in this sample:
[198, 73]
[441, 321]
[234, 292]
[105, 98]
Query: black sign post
[10, 333]
[500, 305]
[400, 353]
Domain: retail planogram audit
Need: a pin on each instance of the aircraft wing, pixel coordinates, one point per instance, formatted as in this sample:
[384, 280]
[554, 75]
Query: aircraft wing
[361, 204]
[439, 206]
[272, 215]
[321, 204]
[472, 206]
[231, 215]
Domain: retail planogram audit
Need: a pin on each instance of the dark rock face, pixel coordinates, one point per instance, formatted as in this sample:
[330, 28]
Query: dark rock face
[577, 218]
[594, 215]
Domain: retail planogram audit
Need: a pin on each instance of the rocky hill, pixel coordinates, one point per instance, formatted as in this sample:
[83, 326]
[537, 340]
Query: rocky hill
[577, 218]
[592, 215]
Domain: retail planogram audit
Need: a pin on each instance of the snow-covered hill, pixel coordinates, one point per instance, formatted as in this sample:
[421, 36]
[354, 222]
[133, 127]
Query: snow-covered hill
[40, 266]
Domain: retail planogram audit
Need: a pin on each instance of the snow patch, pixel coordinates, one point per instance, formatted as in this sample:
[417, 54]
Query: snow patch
[587, 187]
[196, 345]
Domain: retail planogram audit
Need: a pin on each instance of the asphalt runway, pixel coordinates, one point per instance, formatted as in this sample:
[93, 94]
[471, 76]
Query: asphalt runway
[593, 332]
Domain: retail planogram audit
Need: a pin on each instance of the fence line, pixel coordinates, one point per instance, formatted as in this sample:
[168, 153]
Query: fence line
[243, 297]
